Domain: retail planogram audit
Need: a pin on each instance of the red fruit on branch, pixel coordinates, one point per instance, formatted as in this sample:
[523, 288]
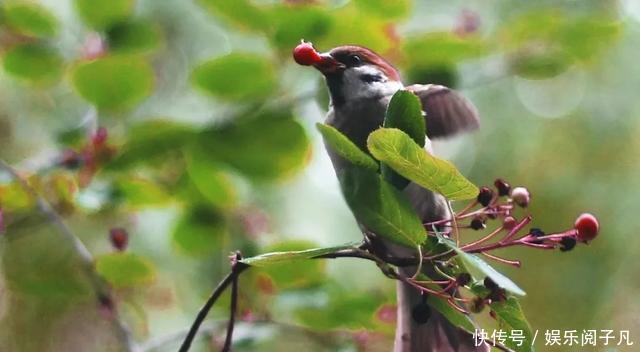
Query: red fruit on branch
[587, 227]
[119, 238]
[509, 223]
[305, 54]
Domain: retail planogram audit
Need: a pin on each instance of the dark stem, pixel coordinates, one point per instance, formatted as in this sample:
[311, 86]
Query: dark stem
[202, 314]
[232, 310]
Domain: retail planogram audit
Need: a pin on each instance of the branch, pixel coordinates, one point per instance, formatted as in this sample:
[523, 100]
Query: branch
[236, 270]
[100, 289]
[233, 307]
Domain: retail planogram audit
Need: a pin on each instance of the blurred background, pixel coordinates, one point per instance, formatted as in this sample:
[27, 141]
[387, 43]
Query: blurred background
[170, 133]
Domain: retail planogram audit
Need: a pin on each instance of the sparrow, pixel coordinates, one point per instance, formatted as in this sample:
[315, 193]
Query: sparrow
[361, 84]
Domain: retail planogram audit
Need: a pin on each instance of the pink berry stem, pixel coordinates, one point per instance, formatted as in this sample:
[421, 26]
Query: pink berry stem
[515, 263]
[468, 207]
[482, 240]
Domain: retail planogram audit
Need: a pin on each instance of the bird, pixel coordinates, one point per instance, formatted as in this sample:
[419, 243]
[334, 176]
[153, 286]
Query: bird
[360, 84]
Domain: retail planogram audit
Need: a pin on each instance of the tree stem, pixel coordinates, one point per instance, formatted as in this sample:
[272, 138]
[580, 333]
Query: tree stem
[236, 270]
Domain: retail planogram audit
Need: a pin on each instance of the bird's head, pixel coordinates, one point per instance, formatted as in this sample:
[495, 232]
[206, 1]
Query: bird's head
[352, 72]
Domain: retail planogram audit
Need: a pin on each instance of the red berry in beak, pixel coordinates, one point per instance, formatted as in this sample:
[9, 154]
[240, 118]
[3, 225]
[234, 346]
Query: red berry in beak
[306, 55]
[587, 227]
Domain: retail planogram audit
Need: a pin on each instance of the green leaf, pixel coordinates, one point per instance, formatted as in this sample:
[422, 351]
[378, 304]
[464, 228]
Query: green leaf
[442, 48]
[102, 14]
[213, 184]
[587, 37]
[454, 316]
[543, 44]
[396, 149]
[241, 13]
[381, 208]
[125, 269]
[344, 309]
[445, 74]
[140, 192]
[30, 19]
[256, 146]
[34, 64]
[345, 148]
[541, 64]
[385, 9]
[511, 317]
[405, 113]
[133, 37]
[38, 263]
[286, 275]
[350, 25]
[149, 140]
[235, 77]
[114, 82]
[200, 231]
[480, 269]
[287, 257]
[293, 23]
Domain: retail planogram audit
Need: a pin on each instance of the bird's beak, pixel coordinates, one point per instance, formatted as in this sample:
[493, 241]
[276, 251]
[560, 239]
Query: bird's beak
[329, 65]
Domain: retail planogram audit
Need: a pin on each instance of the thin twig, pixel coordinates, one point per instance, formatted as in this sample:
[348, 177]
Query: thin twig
[512, 262]
[455, 231]
[232, 311]
[204, 311]
[99, 287]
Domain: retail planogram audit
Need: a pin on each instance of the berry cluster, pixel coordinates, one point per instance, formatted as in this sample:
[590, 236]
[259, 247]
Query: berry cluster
[499, 204]
[495, 204]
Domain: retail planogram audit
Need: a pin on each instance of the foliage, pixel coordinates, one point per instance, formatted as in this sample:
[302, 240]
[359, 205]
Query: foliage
[208, 139]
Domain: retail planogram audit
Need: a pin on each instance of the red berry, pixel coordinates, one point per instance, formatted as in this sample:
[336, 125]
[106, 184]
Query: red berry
[305, 54]
[509, 223]
[587, 227]
[99, 137]
[119, 238]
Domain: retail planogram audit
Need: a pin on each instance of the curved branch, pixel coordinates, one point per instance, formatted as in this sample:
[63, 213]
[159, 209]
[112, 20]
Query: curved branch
[236, 270]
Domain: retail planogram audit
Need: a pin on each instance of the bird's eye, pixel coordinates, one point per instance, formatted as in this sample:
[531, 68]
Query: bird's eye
[355, 59]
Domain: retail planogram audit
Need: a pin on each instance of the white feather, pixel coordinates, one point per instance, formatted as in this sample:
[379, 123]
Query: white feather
[354, 88]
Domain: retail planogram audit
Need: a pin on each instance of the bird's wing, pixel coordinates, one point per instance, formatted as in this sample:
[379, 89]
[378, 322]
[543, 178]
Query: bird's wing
[447, 112]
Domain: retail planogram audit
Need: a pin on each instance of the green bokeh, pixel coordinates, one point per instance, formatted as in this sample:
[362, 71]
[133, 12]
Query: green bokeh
[196, 176]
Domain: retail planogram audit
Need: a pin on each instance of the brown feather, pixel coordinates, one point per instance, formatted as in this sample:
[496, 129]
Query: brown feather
[367, 56]
[447, 112]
